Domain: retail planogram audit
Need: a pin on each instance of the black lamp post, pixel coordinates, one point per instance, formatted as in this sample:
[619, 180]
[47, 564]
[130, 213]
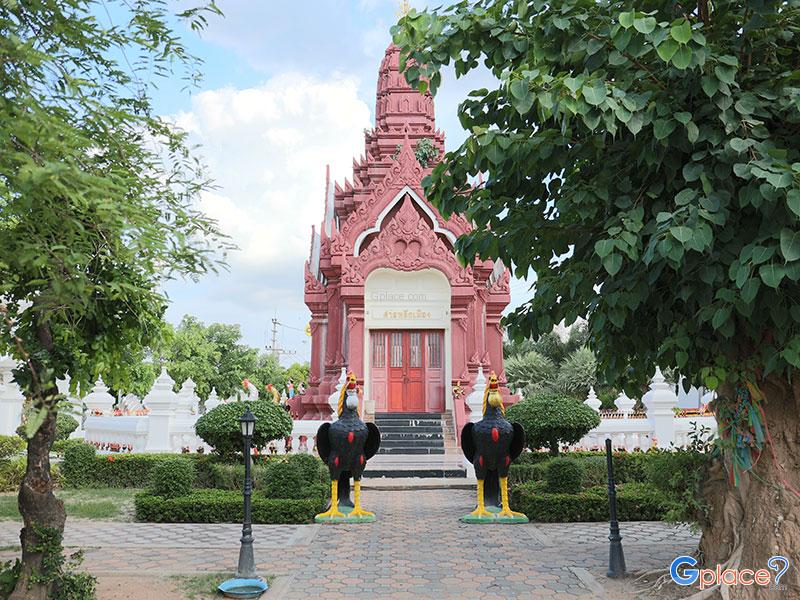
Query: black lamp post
[247, 567]
[616, 558]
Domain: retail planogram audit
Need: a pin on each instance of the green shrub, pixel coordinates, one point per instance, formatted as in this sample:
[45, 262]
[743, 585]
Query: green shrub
[60, 446]
[65, 425]
[596, 471]
[312, 469]
[221, 506]
[529, 458]
[78, 466]
[679, 476]
[635, 502]
[11, 473]
[9, 573]
[11, 445]
[220, 428]
[564, 476]
[550, 420]
[172, 478]
[526, 472]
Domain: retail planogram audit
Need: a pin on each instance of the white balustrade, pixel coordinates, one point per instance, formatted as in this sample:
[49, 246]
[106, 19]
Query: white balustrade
[475, 398]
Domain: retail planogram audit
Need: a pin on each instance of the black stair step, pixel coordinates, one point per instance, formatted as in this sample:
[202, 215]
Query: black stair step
[412, 443]
[413, 423]
[410, 450]
[418, 429]
[405, 415]
[422, 472]
[411, 435]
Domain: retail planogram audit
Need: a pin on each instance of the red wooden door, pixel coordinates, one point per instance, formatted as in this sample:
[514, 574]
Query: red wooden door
[414, 400]
[397, 367]
[406, 371]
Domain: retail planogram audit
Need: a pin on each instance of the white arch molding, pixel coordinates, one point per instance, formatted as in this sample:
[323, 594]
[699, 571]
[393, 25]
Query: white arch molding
[421, 203]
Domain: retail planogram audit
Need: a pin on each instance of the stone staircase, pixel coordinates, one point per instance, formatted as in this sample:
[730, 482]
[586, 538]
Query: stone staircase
[416, 445]
[410, 433]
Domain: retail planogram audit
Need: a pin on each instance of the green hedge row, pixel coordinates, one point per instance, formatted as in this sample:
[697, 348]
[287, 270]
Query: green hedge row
[635, 502]
[223, 506]
[629, 467]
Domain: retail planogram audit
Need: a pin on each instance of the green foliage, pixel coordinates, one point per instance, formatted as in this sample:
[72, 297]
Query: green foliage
[12, 471]
[9, 573]
[679, 475]
[530, 372]
[523, 473]
[550, 420]
[577, 373]
[293, 476]
[565, 476]
[10, 445]
[425, 152]
[65, 425]
[78, 466]
[635, 502]
[60, 570]
[222, 506]
[220, 428]
[172, 478]
[654, 153]
[60, 446]
[84, 468]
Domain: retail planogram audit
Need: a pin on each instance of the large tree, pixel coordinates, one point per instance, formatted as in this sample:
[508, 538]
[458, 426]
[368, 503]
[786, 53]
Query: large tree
[643, 158]
[96, 209]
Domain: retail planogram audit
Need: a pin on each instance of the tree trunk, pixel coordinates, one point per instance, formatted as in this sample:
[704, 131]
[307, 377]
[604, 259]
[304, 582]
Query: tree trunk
[38, 506]
[760, 518]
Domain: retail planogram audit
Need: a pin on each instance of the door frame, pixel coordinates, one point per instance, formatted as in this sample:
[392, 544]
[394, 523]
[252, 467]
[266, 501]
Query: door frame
[446, 370]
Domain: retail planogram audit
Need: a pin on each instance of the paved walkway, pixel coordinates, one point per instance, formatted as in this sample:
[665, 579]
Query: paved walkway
[416, 549]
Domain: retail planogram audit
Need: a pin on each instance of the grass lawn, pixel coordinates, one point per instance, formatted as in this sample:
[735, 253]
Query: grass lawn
[107, 504]
[203, 587]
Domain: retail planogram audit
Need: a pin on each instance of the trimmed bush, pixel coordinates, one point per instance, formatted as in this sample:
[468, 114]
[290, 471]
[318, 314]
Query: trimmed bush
[221, 506]
[12, 472]
[172, 478]
[293, 476]
[11, 445]
[78, 466]
[596, 471]
[564, 476]
[551, 419]
[679, 475]
[60, 446]
[65, 425]
[220, 428]
[635, 502]
[526, 472]
[529, 458]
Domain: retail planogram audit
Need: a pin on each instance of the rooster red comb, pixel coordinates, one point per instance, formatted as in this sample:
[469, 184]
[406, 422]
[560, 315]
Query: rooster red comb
[493, 381]
[351, 381]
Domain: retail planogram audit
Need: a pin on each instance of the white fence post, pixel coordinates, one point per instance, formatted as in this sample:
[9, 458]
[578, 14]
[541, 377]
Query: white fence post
[475, 398]
[592, 401]
[161, 402]
[99, 400]
[660, 404]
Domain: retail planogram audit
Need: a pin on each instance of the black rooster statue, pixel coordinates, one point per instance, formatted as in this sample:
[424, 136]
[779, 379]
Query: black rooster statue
[491, 445]
[346, 445]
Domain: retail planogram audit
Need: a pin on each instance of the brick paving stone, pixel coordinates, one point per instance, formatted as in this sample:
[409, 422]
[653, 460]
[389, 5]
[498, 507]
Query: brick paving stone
[416, 549]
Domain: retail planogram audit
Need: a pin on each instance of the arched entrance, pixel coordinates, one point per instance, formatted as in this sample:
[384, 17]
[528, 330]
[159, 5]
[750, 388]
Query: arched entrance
[407, 341]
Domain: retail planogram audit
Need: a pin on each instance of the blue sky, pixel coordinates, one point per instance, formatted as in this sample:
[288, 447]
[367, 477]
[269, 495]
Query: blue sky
[288, 88]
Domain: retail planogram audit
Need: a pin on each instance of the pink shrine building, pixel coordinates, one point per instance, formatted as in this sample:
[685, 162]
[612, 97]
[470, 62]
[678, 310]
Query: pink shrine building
[388, 299]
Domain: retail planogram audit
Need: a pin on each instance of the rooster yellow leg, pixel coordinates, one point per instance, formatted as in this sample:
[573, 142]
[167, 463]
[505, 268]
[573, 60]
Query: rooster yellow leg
[357, 510]
[506, 512]
[481, 510]
[333, 511]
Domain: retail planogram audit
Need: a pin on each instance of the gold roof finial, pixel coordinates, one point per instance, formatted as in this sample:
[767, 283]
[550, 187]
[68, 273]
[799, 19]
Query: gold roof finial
[405, 8]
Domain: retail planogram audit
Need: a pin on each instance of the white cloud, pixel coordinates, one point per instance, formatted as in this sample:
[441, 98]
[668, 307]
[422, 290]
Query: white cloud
[266, 147]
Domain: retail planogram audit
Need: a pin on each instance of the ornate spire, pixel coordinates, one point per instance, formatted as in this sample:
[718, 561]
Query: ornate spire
[397, 103]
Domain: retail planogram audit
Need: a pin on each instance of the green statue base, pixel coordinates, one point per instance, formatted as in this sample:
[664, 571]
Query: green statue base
[470, 518]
